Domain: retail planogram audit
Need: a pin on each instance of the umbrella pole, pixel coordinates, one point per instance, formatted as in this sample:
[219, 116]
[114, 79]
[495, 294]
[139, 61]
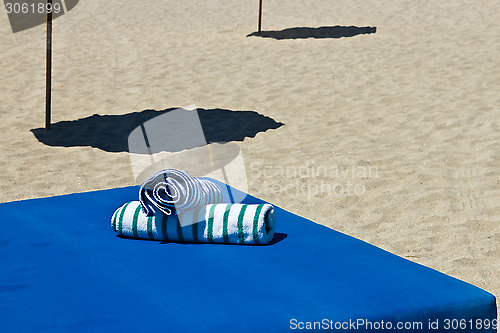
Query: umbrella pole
[260, 17]
[48, 73]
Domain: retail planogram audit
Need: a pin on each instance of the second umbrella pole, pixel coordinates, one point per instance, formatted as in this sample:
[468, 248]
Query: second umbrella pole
[260, 17]
[48, 73]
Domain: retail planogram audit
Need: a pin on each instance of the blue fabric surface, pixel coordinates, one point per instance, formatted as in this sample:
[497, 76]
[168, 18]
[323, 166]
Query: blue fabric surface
[63, 269]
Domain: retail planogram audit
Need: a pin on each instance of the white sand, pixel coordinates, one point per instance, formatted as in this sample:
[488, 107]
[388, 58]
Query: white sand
[417, 101]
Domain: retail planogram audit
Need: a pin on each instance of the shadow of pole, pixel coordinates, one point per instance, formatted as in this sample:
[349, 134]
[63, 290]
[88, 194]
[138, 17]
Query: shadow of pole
[321, 32]
[110, 132]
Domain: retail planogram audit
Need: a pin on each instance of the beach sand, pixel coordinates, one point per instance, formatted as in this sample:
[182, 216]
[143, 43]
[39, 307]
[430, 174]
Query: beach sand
[390, 136]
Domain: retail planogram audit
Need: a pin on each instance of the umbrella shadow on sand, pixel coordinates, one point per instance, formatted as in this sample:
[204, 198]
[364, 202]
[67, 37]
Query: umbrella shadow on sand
[320, 32]
[110, 132]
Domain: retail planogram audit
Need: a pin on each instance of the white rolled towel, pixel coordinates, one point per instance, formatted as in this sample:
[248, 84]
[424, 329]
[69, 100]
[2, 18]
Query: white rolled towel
[173, 191]
[215, 223]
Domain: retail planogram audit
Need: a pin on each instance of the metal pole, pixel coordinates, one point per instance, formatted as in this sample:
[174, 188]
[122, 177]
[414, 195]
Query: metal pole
[48, 67]
[260, 17]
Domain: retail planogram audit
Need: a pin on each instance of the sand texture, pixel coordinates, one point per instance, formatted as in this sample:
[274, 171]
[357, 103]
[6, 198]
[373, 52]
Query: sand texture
[384, 124]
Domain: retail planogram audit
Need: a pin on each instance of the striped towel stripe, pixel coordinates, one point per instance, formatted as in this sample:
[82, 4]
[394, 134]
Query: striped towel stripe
[217, 223]
[171, 190]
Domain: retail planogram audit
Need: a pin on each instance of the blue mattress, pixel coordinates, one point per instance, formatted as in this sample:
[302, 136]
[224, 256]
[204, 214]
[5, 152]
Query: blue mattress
[63, 269]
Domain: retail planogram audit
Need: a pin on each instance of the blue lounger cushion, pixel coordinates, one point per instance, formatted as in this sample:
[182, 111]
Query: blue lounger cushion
[63, 269]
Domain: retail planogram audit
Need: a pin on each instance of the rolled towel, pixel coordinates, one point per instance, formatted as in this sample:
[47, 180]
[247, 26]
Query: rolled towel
[219, 223]
[172, 190]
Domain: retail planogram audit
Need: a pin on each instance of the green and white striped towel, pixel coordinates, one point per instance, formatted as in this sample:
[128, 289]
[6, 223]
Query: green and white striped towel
[218, 223]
